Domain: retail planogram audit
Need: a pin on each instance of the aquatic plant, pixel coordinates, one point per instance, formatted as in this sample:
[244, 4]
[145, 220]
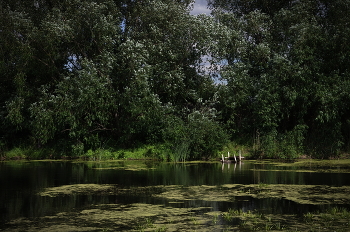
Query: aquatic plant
[235, 212]
[144, 224]
[227, 216]
[161, 229]
[278, 226]
[195, 221]
[308, 217]
[226, 229]
[268, 226]
[180, 152]
[262, 185]
[215, 218]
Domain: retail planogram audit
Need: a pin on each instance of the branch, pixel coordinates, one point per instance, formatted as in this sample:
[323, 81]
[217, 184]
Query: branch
[101, 128]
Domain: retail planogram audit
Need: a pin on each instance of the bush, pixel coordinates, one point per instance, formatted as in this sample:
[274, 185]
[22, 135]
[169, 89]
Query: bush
[288, 145]
[15, 153]
[197, 138]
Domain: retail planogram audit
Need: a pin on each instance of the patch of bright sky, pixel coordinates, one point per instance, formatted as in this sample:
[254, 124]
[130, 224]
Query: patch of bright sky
[200, 7]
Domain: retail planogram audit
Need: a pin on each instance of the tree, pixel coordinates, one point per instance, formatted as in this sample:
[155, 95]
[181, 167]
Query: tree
[59, 37]
[162, 62]
[281, 79]
[87, 72]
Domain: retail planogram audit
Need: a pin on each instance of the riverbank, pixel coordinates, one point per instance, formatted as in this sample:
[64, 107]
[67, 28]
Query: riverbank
[146, 152]
[154, 152]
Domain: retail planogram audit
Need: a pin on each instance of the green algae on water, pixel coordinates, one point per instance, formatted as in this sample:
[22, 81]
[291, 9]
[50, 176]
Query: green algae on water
[157, 217]
[99, 189]
[78, 189]
[302, 194]
[331, 166]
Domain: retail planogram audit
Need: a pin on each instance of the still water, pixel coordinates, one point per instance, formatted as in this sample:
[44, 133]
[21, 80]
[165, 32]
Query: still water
[99, 196]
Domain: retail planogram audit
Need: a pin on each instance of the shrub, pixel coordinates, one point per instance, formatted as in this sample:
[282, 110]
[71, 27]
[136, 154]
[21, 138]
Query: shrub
[198, 137]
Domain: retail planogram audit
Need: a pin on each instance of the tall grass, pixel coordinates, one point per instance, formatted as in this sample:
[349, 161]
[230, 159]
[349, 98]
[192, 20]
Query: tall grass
[180, 152]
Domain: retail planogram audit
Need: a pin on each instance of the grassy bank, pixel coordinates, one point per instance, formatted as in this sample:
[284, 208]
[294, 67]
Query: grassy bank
[157, 152]
[146, 152]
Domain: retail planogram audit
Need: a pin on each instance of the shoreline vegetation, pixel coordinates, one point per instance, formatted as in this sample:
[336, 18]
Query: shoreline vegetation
[150, 152]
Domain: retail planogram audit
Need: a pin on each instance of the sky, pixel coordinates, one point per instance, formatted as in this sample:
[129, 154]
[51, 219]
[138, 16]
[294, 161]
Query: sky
[200, 7]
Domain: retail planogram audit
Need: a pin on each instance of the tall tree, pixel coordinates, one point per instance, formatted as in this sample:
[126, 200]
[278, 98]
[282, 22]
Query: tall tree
[86, 72]
[283, 84]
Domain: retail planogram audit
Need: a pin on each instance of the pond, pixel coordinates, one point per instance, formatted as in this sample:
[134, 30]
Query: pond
[158, 196]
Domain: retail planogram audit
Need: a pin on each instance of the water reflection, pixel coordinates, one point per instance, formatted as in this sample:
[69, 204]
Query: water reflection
[21, 181]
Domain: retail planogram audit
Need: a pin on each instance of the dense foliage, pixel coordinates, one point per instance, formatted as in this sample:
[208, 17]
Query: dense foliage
[79, 75]
[287, 75]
